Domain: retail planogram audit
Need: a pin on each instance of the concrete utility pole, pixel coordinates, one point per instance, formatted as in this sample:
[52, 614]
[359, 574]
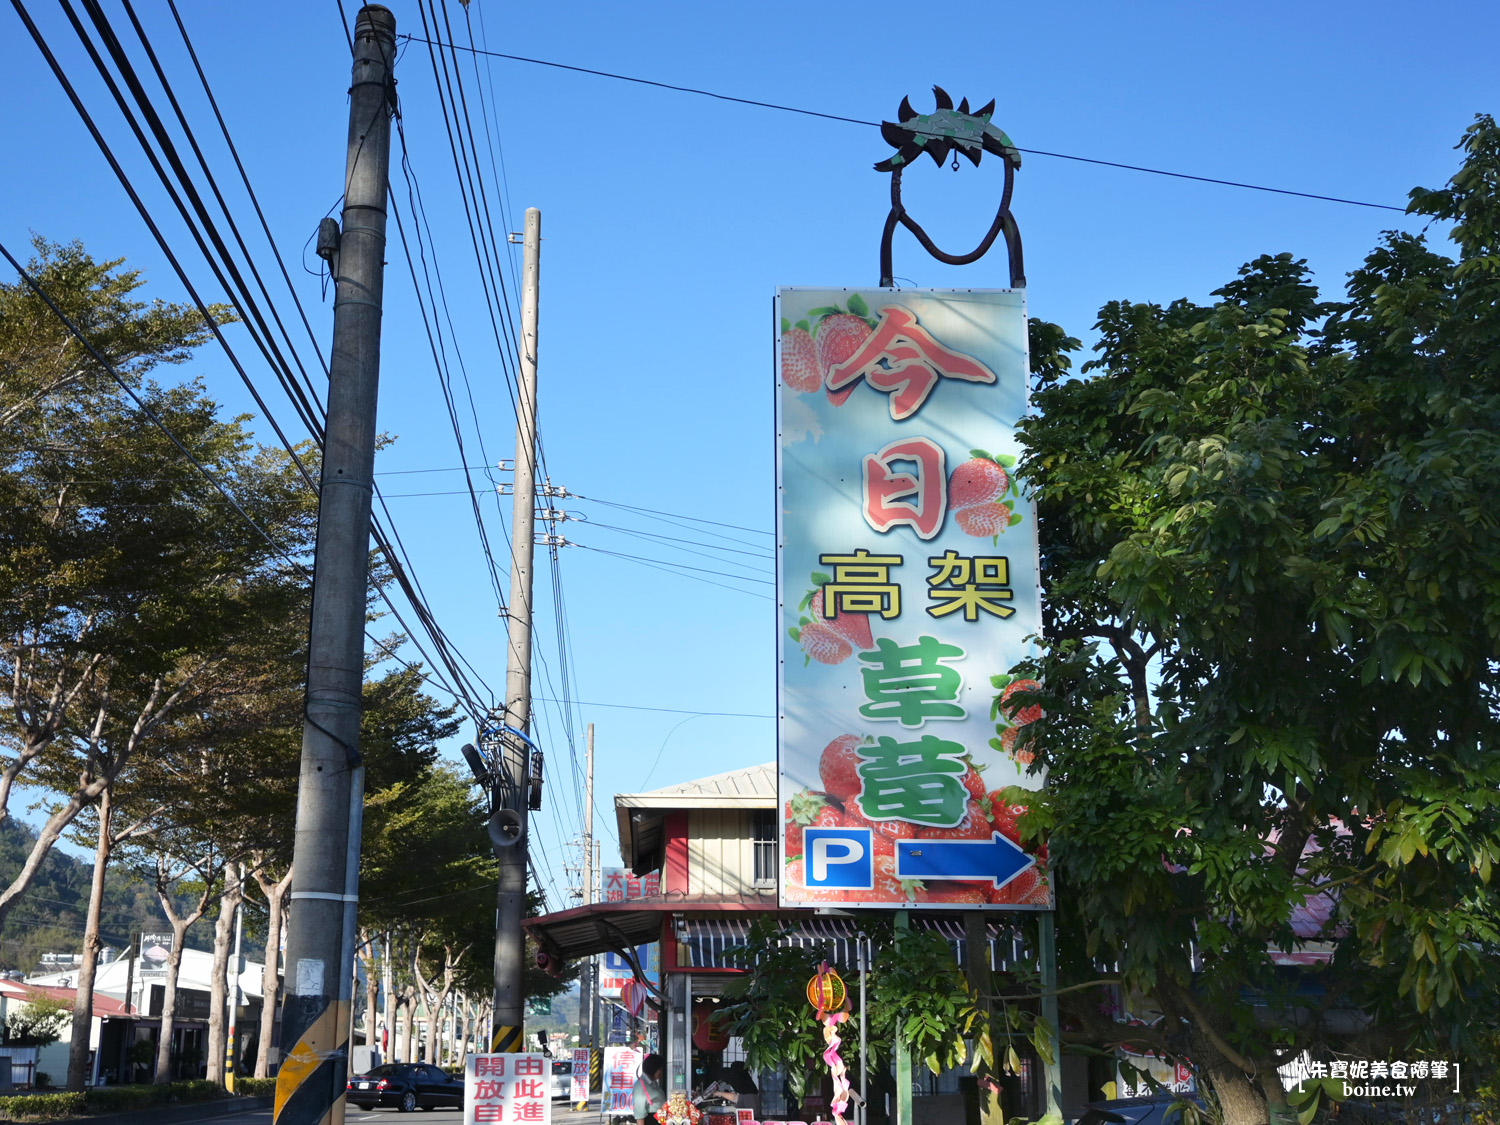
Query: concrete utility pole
[510, 943]
[330, 793]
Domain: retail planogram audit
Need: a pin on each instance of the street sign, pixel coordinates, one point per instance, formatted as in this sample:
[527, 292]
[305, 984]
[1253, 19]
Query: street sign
[578, 1087]
[507, 1090]
[614, 970]
[907, 590]
[622, 1066]
[540, 1006]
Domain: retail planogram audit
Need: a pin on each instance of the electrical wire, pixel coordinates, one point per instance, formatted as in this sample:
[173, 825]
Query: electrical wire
[242, 297]
[658, 564]
[876, 124]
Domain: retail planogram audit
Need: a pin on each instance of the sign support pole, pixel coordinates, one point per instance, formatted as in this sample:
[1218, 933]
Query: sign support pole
[903, 1052]
[1047, 955]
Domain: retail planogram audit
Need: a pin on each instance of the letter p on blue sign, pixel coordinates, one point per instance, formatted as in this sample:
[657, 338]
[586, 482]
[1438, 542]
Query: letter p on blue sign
[839, 858]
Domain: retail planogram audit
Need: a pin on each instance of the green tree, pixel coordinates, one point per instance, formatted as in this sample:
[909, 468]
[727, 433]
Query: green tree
[125, 577]
[1271, 563]
[37, 1023]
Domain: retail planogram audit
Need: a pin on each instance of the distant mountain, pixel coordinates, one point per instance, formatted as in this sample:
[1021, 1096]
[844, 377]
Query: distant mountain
[49, 917]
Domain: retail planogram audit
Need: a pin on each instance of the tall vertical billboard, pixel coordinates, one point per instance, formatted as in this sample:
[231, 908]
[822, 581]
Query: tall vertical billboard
[907, 589]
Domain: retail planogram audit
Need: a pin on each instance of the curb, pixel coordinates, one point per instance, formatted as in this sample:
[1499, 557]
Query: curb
[170, 1114]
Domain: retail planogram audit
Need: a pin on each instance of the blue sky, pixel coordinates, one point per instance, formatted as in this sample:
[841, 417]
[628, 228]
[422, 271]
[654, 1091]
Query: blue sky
[670, 218]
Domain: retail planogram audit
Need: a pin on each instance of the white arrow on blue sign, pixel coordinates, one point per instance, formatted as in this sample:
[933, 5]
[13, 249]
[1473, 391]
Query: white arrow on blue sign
[997, 858]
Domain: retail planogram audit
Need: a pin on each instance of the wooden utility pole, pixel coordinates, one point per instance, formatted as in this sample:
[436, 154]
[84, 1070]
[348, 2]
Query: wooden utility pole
[516, 747]
[330, 793]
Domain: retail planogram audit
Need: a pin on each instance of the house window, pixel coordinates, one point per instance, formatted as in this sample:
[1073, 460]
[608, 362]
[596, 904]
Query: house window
[763, 834]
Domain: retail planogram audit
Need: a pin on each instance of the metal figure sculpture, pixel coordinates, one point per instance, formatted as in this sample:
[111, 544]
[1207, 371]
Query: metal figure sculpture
[939, 134]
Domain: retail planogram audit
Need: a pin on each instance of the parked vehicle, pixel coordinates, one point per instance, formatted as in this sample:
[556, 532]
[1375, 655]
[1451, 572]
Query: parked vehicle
[560, 1079]
[406, 1086]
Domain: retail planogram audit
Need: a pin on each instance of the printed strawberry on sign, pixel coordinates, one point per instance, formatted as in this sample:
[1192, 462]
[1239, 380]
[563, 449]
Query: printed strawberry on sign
[907, 591]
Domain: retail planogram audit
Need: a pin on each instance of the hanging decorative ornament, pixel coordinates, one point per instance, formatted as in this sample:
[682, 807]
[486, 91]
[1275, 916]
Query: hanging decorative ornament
[827, 994]
[633, 997]
[826, 991]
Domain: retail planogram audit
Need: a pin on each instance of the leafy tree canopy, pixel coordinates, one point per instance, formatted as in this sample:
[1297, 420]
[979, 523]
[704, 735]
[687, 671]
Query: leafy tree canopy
[1271, 564]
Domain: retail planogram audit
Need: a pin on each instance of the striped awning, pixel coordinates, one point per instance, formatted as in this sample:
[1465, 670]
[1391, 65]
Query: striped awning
[709, 940]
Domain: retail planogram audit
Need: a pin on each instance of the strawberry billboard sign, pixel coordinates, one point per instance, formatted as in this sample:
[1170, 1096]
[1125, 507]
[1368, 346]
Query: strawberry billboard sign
[907, 588]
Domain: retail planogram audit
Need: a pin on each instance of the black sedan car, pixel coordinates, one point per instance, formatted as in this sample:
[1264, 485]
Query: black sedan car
[406, 1086]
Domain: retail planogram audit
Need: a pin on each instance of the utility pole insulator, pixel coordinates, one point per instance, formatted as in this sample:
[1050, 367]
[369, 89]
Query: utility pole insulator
[552, 515]
[552, 541]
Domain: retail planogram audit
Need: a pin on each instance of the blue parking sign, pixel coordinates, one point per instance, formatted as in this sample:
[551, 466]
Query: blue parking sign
[842, 858]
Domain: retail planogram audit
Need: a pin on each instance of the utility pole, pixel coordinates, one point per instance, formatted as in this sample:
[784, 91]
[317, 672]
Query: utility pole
[330, 793]
[598, 1015]
[516, 748]
[586, 1031]
[232, 992]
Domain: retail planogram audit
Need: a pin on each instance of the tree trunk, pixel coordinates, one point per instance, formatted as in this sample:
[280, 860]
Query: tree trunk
[165, 880]
[409, 1025]
[435, 1004]
[169, 1002]
[270, 982]
[370, 961]
[83, 1002]
[220, 1002]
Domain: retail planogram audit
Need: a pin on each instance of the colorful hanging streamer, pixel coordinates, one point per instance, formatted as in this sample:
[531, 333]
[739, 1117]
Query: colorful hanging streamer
[836, 1066]
[826, 991]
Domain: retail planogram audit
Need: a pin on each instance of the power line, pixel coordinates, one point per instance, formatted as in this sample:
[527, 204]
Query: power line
[241, 297]
[658, 564]
[671, 516]
[876, 124]
[664, 710]
[274, 360]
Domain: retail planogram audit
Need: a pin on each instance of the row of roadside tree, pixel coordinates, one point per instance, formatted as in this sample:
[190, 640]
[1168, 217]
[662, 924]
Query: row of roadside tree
[153, 629]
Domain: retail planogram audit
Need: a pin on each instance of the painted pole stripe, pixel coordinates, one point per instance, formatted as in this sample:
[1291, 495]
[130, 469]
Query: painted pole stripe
[507, 1040]
[310, 1104]
[305, 1082]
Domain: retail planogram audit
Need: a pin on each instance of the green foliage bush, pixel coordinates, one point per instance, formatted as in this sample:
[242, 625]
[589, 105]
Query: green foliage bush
[195, 1090]
[122, 1099]
[255, 1087]
[28, 1106]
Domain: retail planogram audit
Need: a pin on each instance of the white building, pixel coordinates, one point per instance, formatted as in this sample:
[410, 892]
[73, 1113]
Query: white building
[127, 1012]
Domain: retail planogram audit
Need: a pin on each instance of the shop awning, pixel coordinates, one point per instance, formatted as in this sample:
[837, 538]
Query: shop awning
[708, 940]
[604, 926]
